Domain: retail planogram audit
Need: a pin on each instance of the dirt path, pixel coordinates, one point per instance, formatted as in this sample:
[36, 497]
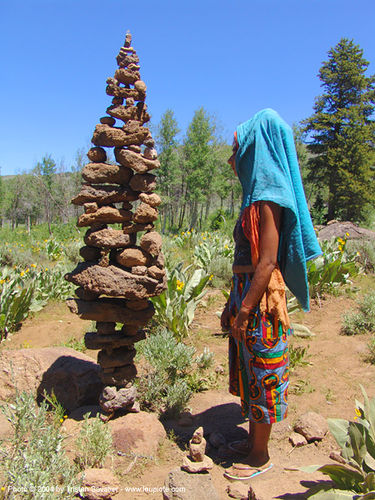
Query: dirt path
[329, 385]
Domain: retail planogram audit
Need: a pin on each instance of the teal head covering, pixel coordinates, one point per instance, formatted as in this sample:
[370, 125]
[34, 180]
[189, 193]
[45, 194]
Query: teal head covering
[267, 167]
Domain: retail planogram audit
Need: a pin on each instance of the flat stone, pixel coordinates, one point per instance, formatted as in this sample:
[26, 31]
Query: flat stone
[119, 377]
[312, 426]
[85, 294]
[110, 310]
[296, 439]
[126, 113]
[133, 257]
[108, 215]
[120, 356]
[145, 213]
[89, 253]
[116, 91]
[107, 120]
[138, 433]
[97, 173]
[126, 60]
[97, 155]
[126, 76]
[139, 270]
[104, 195]
[151, 242]
[135, 148]
[135, 161]
[99, 484]
[131, 227]
[156, 272]
[109, 238]
[95, 341]
[194, 467]
[71, 375]
[112, 136]
[90, 208]
[143, 182]
[138, 305]
[180, 485]
[105, 327]
[132, 127]
[151, 199]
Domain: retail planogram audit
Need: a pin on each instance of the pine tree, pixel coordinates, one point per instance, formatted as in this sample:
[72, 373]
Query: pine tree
[341, 133]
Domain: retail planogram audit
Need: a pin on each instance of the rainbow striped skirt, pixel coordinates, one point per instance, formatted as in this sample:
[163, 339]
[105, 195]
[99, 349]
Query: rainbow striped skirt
[259, 366]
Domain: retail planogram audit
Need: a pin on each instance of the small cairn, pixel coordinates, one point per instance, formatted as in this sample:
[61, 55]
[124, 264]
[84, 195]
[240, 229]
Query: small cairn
[121, 268]
[197, 461]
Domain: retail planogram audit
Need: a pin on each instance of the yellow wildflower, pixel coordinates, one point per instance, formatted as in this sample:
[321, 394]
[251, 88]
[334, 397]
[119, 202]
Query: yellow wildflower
[65, 416]
[3, 488]
[211, 276]
[358, 412]
[22, 273]
[45, 241]
[33, 265]
[2, 281]
[203, 238]
[61, 420]
[226, 247]
[46, 269]
[180, 285]
[27, 270]
[346, 234]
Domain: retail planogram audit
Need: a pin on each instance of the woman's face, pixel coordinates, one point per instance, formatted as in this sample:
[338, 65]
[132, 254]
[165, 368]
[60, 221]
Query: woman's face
[232, 158]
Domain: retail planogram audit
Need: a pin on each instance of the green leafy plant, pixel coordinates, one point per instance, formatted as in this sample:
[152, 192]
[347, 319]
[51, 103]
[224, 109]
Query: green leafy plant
[171, 373]
[175, 307]
[332, 269]
[33, 464]
[363, 320]
[15, 304]
[94, 443]
[297, 357]
[356, 478]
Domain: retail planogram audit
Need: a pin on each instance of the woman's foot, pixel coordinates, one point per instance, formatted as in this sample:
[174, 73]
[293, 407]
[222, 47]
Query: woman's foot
[241, 447]
[244, 471]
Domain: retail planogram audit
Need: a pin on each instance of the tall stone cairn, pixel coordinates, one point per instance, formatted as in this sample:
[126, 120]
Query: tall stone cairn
[121, 268]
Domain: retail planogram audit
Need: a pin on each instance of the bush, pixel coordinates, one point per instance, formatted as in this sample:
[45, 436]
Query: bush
[94, 443]
[170, 381]
[34, 465]
[362, 321]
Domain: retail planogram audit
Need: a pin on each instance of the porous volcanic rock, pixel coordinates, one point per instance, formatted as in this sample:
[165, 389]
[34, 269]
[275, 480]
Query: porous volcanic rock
[96, 173]
[136, 161]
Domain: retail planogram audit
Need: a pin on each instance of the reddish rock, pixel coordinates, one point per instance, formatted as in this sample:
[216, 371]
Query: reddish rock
[112, 399]
[105, 327]
[145, 213]
[107, 136]
[109, 238]
[85, 294]
[117, 357]
[95, 341]
[99, 484]
[90, 253]
[116, 91]
[143, 182]
[151, 242]
[150, 153]
[138, 433]
[104, 195]
[107, 120]
[135, 161]
[296, 439]
[133, 257]
[139, 270]
[73, 376]
[107, 215]
[97, 155]
[119, 376]
[97, 173]
[109, 310]
[151, 199]
[138, 305]
[128, 113]
[312, 426]
[126, 76]
[130, 227]
[90, 208]
[140, 86]
[156, 272]
[132, 127]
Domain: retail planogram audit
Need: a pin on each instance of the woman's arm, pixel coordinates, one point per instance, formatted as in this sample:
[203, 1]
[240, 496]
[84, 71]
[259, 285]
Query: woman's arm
[270, 216]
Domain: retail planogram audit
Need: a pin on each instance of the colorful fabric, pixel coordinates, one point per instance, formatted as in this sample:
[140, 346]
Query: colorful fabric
[273, 300]
[267, 167]
[258, 367]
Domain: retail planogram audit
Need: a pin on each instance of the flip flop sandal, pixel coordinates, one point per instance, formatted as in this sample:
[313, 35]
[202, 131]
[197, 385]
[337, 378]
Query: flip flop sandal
[239, 448]
[252, 472]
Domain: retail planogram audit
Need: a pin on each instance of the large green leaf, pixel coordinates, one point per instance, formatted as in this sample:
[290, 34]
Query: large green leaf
[340, 430]
[343, 476]
[334, 494]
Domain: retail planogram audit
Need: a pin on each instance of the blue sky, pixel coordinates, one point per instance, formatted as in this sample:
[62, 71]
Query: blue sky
[232, 58]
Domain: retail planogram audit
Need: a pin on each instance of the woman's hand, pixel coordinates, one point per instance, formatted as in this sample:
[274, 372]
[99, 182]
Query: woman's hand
[239, 326]
[224, 319]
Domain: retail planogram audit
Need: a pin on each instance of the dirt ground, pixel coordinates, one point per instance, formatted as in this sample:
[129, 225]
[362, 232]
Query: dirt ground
[328, 384]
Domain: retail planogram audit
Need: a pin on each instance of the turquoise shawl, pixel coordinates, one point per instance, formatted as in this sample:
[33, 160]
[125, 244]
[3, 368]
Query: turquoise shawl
[267, 167]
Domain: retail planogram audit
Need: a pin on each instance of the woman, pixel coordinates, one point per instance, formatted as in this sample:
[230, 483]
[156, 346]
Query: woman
[274, 238]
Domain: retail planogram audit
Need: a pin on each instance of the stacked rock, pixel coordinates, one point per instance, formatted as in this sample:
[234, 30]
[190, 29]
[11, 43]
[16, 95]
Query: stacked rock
[121, 269]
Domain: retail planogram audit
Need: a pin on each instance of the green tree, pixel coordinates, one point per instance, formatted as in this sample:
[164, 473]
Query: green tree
[341, 133]
[167, 132]
[199, 151]
[44, 172]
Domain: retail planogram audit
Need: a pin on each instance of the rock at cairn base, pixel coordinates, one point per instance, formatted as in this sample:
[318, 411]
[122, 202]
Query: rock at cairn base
[121, 268]
[197, 460]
